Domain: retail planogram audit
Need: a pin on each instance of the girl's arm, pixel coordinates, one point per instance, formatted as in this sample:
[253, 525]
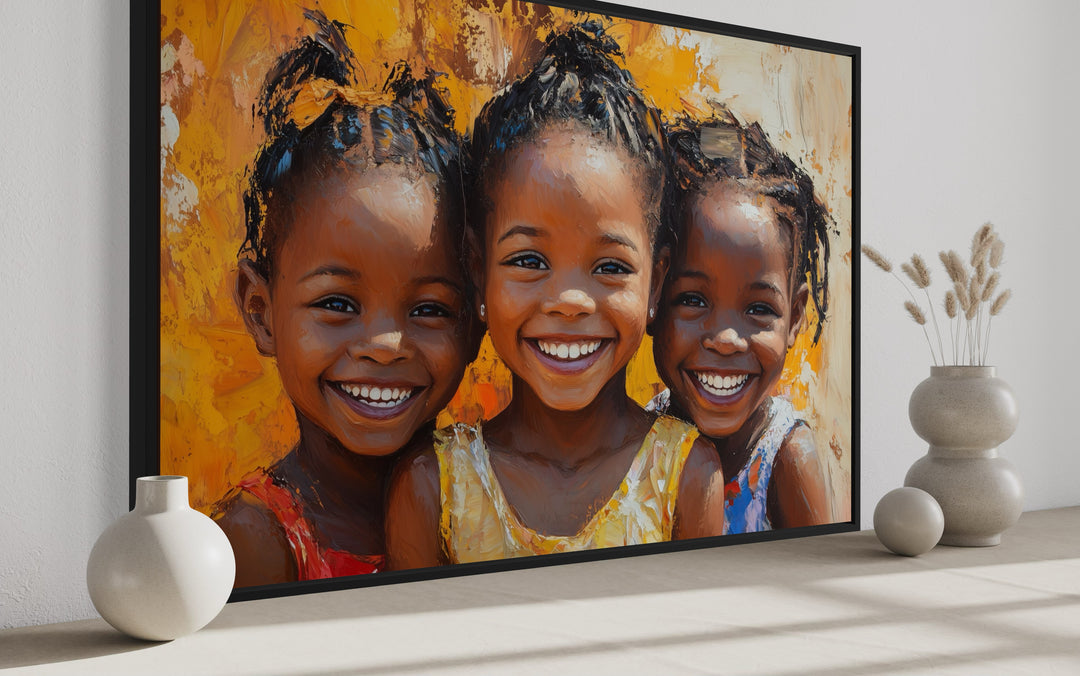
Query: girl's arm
[699, 510]
[412, 513]
[797, 495]
[263, 555]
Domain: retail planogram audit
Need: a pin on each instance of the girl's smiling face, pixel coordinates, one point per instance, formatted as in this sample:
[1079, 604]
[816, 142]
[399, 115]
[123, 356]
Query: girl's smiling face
[568, 271]
[366, 311]
[730, 311]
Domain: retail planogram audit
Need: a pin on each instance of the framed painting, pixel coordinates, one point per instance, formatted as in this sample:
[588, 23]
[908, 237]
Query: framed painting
[427, 289]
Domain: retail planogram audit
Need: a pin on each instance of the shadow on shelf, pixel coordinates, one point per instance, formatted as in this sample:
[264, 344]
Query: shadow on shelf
[30, 646]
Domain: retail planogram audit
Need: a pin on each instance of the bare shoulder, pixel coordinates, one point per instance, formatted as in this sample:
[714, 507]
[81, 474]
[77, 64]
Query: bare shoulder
[413, 511]
[798, 448]
[417, 470]
[797, 459]
[699, 510]
[416, 473]
[797, 492]
[703, 460]
[263, 554]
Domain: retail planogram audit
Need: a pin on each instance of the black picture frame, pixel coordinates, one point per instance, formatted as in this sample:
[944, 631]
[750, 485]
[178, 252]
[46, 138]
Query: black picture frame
[145, 290]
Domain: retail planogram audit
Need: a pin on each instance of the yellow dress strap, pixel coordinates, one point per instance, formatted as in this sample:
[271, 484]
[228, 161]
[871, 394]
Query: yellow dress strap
[472, 522]
[677, 439]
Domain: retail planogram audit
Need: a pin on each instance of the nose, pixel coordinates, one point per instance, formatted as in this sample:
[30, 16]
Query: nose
[381, 340]
[725, 341]
[569, 297]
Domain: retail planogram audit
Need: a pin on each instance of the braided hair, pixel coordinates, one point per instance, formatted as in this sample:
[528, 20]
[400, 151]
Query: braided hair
[578, 79]
[409, 124]
[722, 149]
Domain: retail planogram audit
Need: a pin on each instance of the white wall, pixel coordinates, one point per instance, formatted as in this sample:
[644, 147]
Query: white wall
[967, 116]
[63, 290]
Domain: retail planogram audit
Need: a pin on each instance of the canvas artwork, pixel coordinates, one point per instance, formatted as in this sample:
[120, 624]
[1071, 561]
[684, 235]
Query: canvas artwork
[475, 284]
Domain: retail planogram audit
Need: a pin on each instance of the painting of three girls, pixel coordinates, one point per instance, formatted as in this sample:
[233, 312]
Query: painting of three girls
[571, 222]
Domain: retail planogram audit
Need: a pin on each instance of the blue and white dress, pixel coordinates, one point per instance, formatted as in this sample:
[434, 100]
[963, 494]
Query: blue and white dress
[746, 495]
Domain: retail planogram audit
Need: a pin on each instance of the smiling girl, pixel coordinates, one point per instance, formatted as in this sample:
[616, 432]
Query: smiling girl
[352, 281]
[751, 235]
[569, 260]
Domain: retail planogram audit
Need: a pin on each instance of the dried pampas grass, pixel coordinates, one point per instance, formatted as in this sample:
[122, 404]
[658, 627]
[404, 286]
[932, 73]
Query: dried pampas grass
[950, 304]
[962, 296]
[991, 286]
[999, 303]
[967, 304]
[876, 258]
[915, 312]
[921, 270]
[997, 252]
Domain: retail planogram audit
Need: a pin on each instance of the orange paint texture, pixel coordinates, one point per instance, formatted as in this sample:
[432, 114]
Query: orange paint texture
[223, 409]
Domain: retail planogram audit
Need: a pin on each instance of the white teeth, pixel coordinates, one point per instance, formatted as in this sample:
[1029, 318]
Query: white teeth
[568, 350]
[723, 386]
[379, 397]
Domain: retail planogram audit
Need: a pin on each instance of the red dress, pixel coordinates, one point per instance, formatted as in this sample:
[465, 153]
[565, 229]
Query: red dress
[313, 560]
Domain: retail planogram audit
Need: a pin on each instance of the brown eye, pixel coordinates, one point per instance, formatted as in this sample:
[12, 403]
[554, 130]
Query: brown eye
[336, 304]
[690, 300]
[431, 310]
[529, 261]
[612, 268]
[762, 310]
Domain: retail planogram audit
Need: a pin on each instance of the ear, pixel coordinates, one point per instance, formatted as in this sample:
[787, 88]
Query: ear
[798, 313]
[656, 284]
[252, 296]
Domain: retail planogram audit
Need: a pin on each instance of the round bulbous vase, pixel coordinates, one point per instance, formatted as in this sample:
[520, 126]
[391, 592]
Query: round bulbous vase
[965, 413]
[163, 570]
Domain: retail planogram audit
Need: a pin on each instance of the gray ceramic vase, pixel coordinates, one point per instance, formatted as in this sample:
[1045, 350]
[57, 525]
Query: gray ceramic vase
[965, 412]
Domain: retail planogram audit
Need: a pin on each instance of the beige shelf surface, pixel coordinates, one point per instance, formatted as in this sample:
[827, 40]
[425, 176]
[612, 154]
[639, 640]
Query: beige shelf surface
[836, 605]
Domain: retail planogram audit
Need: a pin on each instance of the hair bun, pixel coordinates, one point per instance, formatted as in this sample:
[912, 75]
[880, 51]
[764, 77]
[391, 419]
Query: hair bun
[317, 120]
[419, 95]
[582, 47]
[324, 54]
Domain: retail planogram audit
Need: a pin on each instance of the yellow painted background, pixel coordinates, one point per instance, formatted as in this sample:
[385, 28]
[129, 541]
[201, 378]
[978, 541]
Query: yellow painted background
[222, 406]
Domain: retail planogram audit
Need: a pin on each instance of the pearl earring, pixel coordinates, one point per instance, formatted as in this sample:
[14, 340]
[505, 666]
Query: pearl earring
[652, 313]
[483, 311]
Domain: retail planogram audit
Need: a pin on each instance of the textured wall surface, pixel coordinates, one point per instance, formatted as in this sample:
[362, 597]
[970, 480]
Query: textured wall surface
[966, 117]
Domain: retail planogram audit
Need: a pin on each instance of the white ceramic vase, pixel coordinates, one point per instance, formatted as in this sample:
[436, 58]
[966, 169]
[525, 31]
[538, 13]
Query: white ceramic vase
[163, 570]
[965, 413]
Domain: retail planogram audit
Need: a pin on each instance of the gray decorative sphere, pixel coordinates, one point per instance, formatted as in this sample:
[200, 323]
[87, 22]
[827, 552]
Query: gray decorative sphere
[908, 521]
